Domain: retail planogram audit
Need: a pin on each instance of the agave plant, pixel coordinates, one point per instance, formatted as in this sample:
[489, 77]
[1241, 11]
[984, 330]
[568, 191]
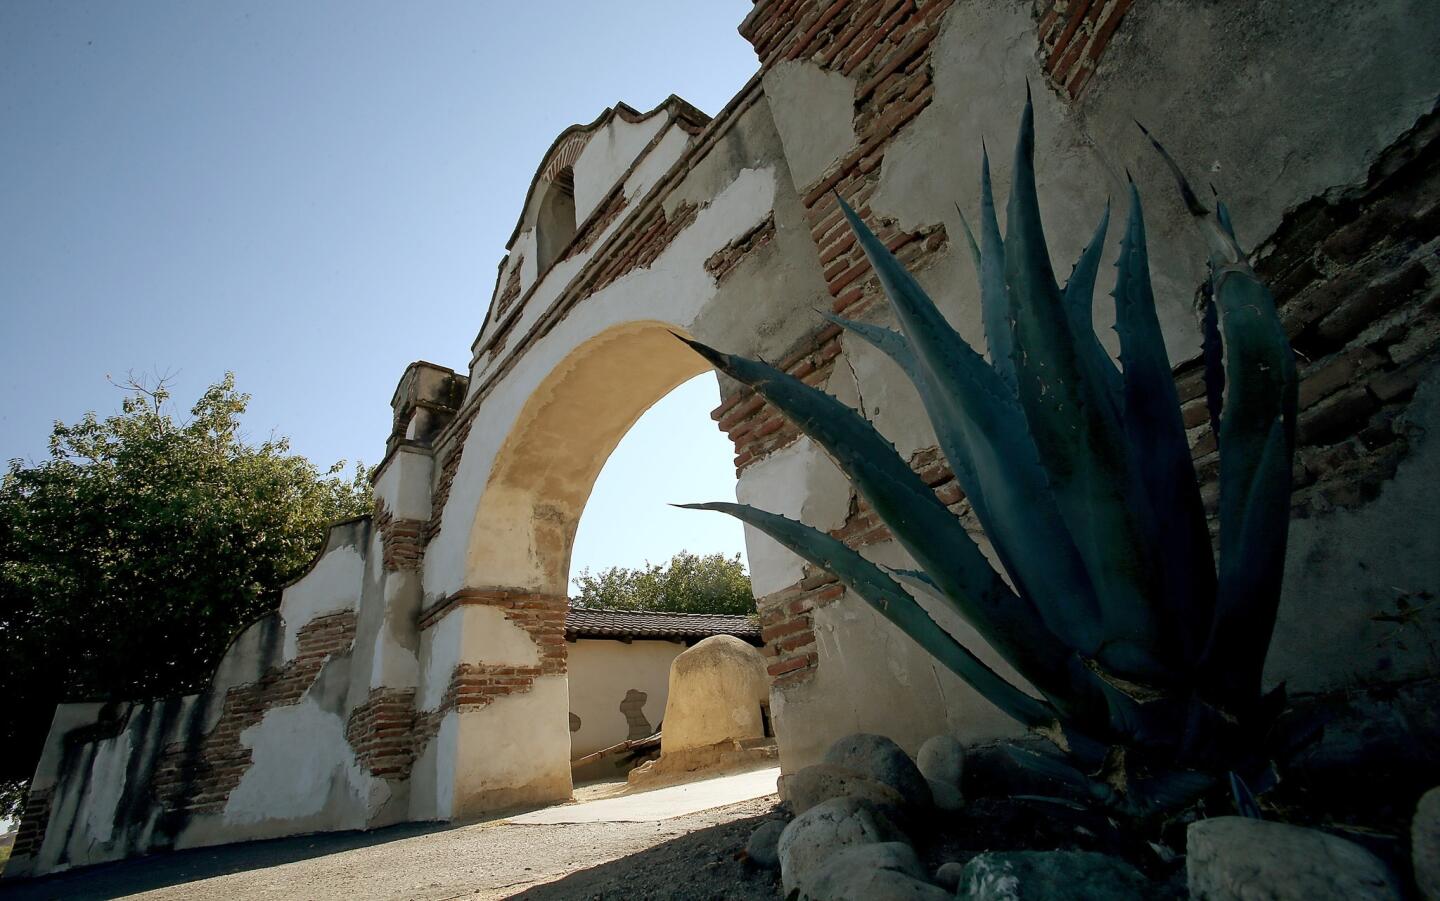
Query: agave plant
[1145, 659]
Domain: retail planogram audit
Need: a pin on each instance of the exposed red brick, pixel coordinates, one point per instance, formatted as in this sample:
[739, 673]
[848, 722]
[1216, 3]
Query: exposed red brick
[200, 779]
[542, 616]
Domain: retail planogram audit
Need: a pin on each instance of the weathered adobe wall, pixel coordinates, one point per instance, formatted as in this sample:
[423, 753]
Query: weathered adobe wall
[264, 752]
[1280, 106]
[617, 691]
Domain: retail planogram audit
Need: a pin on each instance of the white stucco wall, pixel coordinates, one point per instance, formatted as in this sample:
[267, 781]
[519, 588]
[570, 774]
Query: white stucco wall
[674, 289]
[608, 154]
[514, 751]
[602, 672]
[301, 764]
[332, 586]
[800, 482]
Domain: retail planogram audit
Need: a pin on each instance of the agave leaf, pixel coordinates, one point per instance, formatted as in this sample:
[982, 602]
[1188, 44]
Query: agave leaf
[982, 431]
[1254, 524]
[1214, 353]
[1167, 790]
[1245, 803]
[891, 601]
[1079, 438]
[1058, 771]
[994, 298]
[970, 240]
[1159, 450]
[913, 578]
[1078, 300]
[1222, 215]
[924, 526]
[1257, 432]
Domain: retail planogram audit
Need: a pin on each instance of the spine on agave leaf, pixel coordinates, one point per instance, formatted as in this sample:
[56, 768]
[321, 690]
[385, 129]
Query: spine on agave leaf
[1080, 439]
[1159, 449]
[1078, 300]
[924, 526]
[891, 600]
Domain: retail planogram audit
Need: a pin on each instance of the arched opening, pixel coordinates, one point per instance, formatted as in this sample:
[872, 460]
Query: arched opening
[537, 490]
[542, 477]
[641, 569]
[555, 223]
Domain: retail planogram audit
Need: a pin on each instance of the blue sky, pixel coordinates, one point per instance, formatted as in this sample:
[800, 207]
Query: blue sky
[313, 195]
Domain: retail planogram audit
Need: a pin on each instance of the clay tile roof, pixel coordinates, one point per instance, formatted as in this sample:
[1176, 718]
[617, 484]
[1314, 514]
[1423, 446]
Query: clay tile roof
[590, 623]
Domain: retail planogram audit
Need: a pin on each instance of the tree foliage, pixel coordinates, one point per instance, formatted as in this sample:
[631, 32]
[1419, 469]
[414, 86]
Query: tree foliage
[131, 556]
[689, 583]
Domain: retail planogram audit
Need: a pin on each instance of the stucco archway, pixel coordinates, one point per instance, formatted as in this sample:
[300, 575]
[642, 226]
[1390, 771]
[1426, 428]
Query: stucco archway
[542, 476]
[504, 632]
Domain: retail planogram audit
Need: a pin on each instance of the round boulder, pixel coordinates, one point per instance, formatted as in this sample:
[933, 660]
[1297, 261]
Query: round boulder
[825, 829]
[884, 761]
[764, 845]
[942, 762]
[716, 690]
[1052, 876]
[1240, 858]
[803, 789]
[886, 871]
[1425, 845]
[949, 875]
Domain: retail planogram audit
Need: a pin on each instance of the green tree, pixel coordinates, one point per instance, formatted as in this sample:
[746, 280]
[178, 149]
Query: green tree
[132, 555]
[689, 583]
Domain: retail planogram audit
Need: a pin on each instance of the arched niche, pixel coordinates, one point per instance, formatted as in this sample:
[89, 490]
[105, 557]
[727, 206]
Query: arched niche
[555, 221]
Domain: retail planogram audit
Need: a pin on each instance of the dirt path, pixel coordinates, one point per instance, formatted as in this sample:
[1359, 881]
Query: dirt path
[685, 857]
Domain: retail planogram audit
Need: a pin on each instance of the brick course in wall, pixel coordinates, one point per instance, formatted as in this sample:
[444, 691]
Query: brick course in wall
[1356, 276]
[34, 819]
[447, 464]
[723, 261]
[788, 627]
[595, 226]
[1073, 37]
[655, 235]
[542, 616]
[196, 780]
[382, 732]
[511, 290]
[402, 541]
[472, 686]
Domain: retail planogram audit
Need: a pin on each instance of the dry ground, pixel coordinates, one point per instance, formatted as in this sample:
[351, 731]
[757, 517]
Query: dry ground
[685, 857]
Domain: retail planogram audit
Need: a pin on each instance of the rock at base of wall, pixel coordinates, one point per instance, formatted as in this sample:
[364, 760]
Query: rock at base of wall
[815, 784]
[825, 829]
[949, 875]
[884, 761]
[1425, 845]
[886, 871]
[1235, 858]
[1052, 876]
[764, 845]
[942, 762]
